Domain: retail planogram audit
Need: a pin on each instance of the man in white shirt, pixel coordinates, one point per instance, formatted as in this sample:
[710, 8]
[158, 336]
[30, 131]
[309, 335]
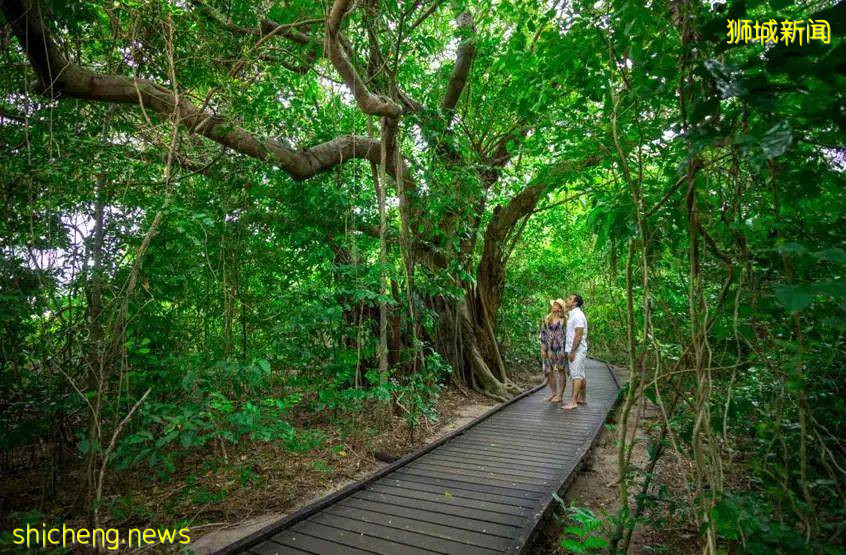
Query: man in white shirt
[576, 347]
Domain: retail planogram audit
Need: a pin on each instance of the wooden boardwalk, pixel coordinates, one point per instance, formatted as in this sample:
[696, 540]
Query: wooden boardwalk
[482, 489]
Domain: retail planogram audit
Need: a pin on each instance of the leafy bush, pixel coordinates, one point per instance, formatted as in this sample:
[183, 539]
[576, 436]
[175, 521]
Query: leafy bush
[229, 403]
[582, 531]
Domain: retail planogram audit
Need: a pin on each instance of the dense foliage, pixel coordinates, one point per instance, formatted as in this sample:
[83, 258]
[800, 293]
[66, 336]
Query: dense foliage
[220, 216]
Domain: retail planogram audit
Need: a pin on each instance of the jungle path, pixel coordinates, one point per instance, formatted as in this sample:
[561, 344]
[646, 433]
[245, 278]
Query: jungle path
[483, 488]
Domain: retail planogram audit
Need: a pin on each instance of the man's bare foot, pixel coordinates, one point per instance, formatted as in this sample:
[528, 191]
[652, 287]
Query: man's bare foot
[569, 406]
[581, 402]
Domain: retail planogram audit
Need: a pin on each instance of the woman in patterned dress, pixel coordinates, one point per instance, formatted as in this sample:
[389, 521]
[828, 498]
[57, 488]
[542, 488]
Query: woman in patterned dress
[552, 334]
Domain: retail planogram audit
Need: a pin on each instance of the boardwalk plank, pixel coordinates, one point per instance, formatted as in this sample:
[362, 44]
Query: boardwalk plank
[559, 419]
[271, 548]
[524, 473]
[555, 434]
[495, 507]
[570, 418]
[552, 422]
[552, 429]
[504, 531]
[541, 431]
[454, 489]
[513, 447]
[399, 535]
[482, 457]
[529, 432]
[443, 507]
[515, 444]
[444, 530]
[516, 482]
[482, 451]
[312, 544]
[507, 486]
[551, 453]
[508, 493]
[514, 440]
[357, 540]
[470, 458]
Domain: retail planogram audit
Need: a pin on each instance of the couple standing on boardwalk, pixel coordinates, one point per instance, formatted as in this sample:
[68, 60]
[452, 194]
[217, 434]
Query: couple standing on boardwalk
[564, 349]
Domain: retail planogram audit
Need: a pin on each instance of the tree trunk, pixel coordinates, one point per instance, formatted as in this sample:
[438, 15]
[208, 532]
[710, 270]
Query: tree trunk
[458, 341]
[466, 334]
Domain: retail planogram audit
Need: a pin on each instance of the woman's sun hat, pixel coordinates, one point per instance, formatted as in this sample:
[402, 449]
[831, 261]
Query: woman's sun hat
[557, 301]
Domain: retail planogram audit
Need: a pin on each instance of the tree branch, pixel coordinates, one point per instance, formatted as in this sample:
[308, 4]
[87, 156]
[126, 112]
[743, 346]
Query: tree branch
[524, 202]
[425, 15]
[456, 84]
[218, 18]
[369, 103]
[490, 274]
[289, 30]
[463, 61]
[266, 27]
[500, 157]
[60, 77]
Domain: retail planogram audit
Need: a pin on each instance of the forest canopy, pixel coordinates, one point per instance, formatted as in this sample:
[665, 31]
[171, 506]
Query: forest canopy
[223, 220]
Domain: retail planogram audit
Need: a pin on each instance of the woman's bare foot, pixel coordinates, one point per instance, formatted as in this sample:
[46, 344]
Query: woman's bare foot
[581, 402]
[555, 400]
[569, 406]
[550, 398]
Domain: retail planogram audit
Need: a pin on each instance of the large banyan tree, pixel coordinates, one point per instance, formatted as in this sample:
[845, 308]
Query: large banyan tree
[443, 114]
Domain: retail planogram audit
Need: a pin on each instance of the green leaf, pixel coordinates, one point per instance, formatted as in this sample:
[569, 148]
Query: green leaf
[725, 515]
[592, 525]
[794, 297]
[838, 256]
[832, 287]
[573, 546]
[792, 247]
[596, 542]
[576, 531]
[725, 79]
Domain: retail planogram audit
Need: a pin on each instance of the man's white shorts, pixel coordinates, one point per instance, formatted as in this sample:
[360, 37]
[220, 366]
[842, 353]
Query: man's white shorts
[577, 366]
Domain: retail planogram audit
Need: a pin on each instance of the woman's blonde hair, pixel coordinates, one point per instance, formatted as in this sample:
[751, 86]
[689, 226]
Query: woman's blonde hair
[552, 302]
